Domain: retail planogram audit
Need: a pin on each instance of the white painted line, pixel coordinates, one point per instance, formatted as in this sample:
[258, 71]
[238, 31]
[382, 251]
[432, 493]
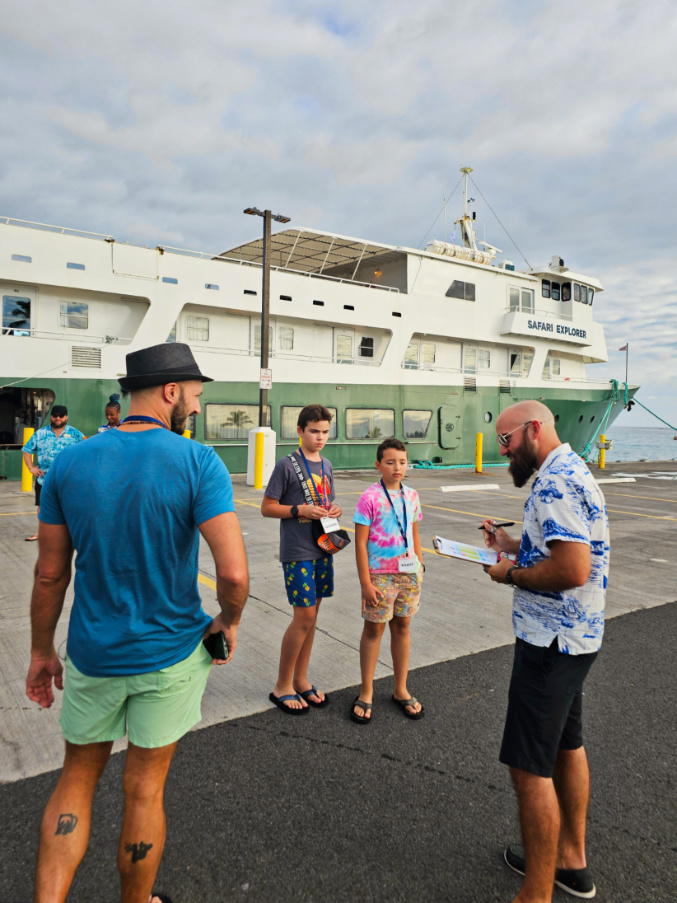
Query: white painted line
[617, 480]
[469, 488]
[660, 560]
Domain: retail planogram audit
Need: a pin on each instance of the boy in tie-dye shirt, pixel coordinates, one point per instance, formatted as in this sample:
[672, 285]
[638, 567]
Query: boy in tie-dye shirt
[390, 567]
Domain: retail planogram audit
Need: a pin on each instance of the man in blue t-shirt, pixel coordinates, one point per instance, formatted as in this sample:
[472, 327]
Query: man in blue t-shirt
[132, 503]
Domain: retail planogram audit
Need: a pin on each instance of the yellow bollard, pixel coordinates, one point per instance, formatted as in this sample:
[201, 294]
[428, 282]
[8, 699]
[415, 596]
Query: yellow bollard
[478, 453]
[186, 434]
[602, 452]
[258, 461]
[26, 475]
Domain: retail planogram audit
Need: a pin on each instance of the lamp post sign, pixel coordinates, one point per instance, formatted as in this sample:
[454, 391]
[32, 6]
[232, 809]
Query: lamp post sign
[266, 380]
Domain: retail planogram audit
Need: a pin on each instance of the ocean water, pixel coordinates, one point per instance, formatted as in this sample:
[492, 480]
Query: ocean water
[633, 443]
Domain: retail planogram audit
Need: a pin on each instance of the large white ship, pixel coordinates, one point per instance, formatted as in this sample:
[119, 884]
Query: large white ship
[427, 345]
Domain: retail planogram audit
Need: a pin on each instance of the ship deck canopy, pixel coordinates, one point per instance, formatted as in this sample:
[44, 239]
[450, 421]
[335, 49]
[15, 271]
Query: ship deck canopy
[307, 251]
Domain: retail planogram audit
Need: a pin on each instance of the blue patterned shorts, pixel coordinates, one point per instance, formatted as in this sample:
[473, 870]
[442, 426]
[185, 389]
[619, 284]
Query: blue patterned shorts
[308, 581]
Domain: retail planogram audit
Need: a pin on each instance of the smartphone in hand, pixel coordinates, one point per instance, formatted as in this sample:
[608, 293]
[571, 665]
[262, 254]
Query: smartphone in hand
[216, 645]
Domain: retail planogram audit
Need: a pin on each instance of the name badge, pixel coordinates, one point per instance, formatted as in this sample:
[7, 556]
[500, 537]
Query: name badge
[406, 565]
[330, 524]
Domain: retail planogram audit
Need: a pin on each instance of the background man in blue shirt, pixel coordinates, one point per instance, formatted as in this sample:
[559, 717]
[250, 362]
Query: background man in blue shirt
[48, 442]
[135, 660]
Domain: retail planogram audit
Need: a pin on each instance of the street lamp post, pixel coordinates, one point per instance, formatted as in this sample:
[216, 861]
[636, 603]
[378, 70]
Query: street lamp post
[268, 217]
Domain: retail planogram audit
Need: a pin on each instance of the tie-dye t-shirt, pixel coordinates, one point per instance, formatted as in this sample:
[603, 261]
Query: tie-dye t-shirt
[385, 544]
[565, 504]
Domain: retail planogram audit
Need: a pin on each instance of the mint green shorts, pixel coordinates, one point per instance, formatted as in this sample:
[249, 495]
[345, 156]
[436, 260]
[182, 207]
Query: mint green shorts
[153, 709]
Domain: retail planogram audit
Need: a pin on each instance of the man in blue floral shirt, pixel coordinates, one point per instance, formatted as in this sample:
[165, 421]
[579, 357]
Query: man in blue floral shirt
[48, 442]
[559, 581]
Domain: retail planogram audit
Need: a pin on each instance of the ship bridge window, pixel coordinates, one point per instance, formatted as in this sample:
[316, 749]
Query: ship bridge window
[555, 293]
[231, 421]
[369, 423]
[577, 292]
[289, 418]
[198, 329]
[415, 424]
[566, 291]
[366, 347]
[591, 294]
[73, 315]
[463, 290]
[16, 315]
[584, 294]
[545, 288]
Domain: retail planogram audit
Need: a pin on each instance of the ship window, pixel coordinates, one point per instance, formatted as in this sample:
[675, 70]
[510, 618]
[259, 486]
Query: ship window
[366, 347]
[170, 279]
[584, 294]
[249, 291]
[546, 369]
[528, 300]
[212, 286]
[545, 288]
[257, 338]
[348, 307]
[591, 294]
[554, 291]
[415, 424]
[484, 359]
[463, 290]
[22, 258]
[556, 366]
[369, 423]
[285, 297]
[396, 313]
[469, 360]
[73, 315]
[75, 266]
[344, 348]
[411, 356]
[231, 421]
[514, 299]
[527, 357]
[577, 292]
[515, 358]
[318, 303]
[427, 353]
[566, 291]
[16, 315]
[198, 329]
[285, 336]
[289, 418]
[172, 335]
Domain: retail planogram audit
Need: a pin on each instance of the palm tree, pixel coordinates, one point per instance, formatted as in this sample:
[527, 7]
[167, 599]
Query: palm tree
[21, 311]
[238, 420]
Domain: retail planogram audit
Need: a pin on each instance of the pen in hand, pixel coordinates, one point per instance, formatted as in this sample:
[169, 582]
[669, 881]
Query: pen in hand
[508, 523]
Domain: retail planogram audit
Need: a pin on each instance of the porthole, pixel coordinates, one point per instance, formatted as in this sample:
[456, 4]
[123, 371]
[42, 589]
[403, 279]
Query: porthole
[592, 418]
[488, 417]
[580, 419]
[556, 418]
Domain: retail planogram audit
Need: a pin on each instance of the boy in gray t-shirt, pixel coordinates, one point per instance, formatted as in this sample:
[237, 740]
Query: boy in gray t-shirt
[308, 572]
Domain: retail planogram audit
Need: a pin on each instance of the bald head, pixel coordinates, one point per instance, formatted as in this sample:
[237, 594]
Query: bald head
[540, 434]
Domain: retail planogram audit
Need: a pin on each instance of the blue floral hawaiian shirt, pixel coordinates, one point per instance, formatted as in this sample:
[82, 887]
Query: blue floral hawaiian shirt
[48, 445]
[565, 504]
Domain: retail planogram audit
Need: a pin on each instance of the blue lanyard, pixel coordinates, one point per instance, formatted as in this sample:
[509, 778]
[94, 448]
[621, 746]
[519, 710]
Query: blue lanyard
[141, 418]
[403, 530]
[323, 500]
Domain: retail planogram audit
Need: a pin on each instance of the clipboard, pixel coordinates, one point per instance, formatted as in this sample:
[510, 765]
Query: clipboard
[474, 554]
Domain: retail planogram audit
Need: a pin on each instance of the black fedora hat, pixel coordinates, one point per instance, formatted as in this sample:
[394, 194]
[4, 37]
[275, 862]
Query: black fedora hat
[171, 362]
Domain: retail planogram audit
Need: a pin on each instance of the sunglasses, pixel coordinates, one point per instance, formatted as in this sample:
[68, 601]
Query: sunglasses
[504, 438]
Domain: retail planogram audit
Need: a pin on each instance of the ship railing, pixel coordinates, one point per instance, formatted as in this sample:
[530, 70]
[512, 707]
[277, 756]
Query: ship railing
[47, 227]
[288, 355]
[538, 312]
[61, 336]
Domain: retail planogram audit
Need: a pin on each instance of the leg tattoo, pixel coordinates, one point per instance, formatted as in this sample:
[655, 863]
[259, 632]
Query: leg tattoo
[138, 850]
[66, 824]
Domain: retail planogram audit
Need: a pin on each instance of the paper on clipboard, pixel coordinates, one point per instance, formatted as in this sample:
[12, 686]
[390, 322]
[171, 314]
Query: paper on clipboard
[465, 552]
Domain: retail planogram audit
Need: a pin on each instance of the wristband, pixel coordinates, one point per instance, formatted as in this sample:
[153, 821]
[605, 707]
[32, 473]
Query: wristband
[508, 575]
[294, 511]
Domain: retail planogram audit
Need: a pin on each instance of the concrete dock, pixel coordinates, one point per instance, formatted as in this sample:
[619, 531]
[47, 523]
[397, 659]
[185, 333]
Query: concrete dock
[269, 809]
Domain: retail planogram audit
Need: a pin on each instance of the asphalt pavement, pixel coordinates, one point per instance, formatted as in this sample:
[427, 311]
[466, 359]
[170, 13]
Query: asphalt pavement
[274, 809]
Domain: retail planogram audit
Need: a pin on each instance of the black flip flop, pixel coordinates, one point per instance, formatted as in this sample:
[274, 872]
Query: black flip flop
[313, 692]
[403, 703]
[279, 702]
[360, 719]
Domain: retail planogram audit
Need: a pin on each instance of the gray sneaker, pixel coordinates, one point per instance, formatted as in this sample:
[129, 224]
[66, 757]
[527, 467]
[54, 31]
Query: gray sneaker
[576, 882]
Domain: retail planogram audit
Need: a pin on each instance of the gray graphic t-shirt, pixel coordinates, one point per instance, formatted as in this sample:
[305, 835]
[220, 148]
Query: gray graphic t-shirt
[296, 533]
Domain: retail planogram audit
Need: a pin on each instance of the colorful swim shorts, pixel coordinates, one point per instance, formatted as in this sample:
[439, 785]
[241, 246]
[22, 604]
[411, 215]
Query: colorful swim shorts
[308, 581]
[401, 596]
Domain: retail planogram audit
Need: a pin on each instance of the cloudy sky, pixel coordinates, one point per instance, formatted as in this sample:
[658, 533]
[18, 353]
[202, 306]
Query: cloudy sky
[158, 122]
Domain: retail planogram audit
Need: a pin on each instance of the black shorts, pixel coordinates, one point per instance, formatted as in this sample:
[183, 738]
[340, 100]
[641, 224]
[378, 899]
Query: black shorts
[545, 706]
[38, 490]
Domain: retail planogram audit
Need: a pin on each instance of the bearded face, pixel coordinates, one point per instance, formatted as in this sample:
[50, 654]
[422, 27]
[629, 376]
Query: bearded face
[523, 461]
[180, 414]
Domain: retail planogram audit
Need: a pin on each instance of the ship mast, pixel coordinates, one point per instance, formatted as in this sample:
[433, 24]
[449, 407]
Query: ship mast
[465, 222]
